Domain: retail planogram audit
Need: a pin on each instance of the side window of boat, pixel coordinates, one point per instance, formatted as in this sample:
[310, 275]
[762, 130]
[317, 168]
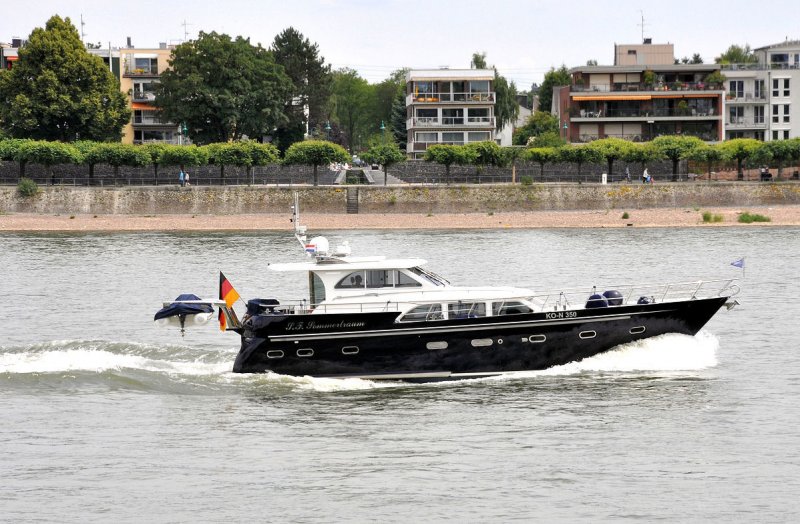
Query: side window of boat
[379, 278]
[425, 312]
[466, 310]
[509, 307]
[404, 280]
[352, 281]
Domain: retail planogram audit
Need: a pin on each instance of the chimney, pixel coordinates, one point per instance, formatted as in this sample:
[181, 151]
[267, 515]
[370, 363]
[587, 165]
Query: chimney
[648, 41]
[162, 45]
[16, 41]
[129, 42]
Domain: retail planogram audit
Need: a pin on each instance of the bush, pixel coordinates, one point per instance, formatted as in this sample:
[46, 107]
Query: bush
[625, 215]
[748, 218]
[710, 217]
[27, 187]
[526, 180]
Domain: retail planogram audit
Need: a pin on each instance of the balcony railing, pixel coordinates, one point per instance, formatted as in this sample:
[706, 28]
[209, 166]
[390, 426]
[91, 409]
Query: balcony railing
[423, 146]
[660, 86]
[148, 120]
[739, 96]
[759, 66]
[742, 122]
[143, 96]
[431, 121]
[640, 137]
[439, 98]
[141, 71]
[646, 113]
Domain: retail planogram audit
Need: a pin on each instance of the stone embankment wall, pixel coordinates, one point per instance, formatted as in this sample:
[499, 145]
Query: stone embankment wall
[406, 199]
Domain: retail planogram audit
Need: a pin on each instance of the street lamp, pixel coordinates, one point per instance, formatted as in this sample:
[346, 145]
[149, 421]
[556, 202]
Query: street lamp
[328, 130]
[383, 131]
[566, 130]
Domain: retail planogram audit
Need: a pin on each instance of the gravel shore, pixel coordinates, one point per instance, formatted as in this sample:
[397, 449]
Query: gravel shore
[664, 217]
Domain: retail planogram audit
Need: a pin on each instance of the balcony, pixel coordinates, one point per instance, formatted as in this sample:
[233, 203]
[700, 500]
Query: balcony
[421, 147]
[150, 120]
[450, 98]
[632, 86]
[472, 121]
[634, 114]
[759, 66]
[151, 71]
[745, 123]
[144, 96]
[734, 97]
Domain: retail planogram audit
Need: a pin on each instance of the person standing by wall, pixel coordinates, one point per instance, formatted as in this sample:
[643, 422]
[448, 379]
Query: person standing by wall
[182, 177]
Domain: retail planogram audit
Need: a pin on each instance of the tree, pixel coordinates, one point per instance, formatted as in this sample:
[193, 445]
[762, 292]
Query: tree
[696, 59]
[676, 148]
[117, 155]
[386, 154]
[542, 156]
[47, 154]
[506, 108]
[397, 122]
[183, 156]
[351, 101]
[223, 89]
[57, 90]
[478, 61]
[486, 153]
[229, 154]
[782, 152]
[579, 155]
[642, 154]
[736, 54]
[610, 149]
[315, 153]
[739, 149]
[311, 85]
[448, 155]
[546, 139]
[8, 151]
[539, 122]
[260, 155]
[710, 154]
[156, 153]
[552, 79]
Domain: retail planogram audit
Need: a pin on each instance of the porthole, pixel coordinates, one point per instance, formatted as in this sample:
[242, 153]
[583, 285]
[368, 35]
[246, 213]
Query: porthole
[637, 330]
[537, 339]
[587, 334]
[436, 345]
[482, 342]
[350, 350]
[499, 340]
[305, 352]
[275, 353]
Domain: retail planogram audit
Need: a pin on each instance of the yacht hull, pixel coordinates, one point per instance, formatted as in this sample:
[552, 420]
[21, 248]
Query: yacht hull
[375, 346]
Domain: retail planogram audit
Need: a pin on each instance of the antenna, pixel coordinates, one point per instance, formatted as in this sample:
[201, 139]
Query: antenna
[642, 23]
[83, 35]
[185, 31]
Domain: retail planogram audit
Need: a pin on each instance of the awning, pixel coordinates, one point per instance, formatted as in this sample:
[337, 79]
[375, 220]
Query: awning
[610, 98]
[143, 107]
[676, 95]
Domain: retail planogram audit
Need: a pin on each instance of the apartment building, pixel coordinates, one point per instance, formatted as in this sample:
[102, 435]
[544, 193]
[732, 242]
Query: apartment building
[140, 72]
[641, 102]
[449, 106]
[763, 98]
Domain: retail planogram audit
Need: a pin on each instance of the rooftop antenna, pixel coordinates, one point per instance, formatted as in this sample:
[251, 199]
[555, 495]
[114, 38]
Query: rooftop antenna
[83, 24]
[185, 30]
[642, 23]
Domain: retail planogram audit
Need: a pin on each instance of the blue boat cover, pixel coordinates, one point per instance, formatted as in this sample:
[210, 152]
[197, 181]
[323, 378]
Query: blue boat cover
[176, 308]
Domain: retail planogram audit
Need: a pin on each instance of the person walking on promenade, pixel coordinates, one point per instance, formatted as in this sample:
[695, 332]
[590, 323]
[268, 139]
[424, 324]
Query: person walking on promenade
[645, 176]
[182, 177]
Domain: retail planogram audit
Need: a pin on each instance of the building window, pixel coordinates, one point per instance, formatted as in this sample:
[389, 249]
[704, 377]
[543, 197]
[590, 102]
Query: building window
[736, 115]
[479, 116]
[479, 86]
[775, 114]
[775, 88]
[453, 138]
[786, 113]
[759, 135]
[774, 135]
[786, 134]
[785, 87]
[427, 137]
[453, 117]
[759, 89]
[758, 115]
[478, 136]
[427, 116]
[737, 88]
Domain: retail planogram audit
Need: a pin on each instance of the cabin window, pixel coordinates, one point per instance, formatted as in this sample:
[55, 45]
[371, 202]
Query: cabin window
[509, 307]
[352, 281]
[466, 310]
[317, 289]
[424, 313]
[404, 280]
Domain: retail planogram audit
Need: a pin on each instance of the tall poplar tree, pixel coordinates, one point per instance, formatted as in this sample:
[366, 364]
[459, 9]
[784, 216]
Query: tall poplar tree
[57, 90]
[311, 81]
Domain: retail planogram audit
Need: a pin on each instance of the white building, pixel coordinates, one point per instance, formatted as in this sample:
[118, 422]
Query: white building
[763, 99]
[450, 106]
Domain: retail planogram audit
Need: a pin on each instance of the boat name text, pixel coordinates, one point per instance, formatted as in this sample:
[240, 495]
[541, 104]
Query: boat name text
[561, 314]
[313, 325]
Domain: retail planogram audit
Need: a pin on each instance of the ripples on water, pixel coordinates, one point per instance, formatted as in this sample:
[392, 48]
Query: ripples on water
[107, 417]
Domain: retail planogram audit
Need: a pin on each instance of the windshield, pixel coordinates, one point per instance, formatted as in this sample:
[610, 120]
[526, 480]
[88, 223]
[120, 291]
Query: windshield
[429, 276]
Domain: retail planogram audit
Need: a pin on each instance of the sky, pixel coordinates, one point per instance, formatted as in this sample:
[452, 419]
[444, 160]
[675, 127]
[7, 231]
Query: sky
[523, 39]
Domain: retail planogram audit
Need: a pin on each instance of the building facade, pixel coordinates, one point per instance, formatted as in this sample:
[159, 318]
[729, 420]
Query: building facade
[140, 73]
[449, 106]
[641, 102]
[763, 98]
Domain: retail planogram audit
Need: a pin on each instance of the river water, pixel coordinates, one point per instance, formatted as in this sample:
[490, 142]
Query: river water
[107, 417]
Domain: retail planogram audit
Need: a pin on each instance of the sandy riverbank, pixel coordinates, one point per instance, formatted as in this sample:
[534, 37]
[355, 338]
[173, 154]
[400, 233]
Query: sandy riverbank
[663, 217]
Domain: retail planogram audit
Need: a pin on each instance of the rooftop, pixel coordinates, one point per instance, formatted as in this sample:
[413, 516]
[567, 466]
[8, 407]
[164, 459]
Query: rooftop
[450, 74]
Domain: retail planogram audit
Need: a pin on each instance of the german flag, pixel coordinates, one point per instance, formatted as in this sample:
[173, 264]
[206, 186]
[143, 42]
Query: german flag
[229, 295]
